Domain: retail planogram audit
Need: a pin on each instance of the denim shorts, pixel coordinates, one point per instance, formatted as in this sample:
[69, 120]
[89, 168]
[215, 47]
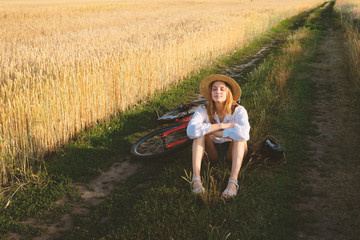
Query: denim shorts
[222, 149]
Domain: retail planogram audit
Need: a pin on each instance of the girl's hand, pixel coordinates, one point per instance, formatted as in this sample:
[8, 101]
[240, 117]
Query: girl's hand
[218, 134]
[227, 125]
[218, 127]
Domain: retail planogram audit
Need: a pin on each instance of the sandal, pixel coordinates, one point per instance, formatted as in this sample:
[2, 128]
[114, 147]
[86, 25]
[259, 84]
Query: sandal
[228, 193]
[199, 189]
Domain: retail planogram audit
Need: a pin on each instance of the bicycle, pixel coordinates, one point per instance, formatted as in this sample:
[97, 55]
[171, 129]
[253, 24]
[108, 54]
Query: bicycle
[167, 140]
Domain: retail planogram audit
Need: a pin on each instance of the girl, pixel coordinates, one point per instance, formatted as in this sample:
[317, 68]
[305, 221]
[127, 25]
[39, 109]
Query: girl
[221, 129]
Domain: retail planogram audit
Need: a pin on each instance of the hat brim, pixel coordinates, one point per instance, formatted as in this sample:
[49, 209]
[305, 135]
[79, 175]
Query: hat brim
[206, 82]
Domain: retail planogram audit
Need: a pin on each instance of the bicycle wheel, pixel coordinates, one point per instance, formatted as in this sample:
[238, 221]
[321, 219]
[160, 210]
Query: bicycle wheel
[161, 142]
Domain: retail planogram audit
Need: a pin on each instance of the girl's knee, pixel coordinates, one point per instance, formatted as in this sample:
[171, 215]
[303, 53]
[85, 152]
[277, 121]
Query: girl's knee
[240, 147]
[241, 144]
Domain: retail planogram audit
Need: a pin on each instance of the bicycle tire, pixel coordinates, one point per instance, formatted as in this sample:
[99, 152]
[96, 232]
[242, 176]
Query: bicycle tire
[153, 145]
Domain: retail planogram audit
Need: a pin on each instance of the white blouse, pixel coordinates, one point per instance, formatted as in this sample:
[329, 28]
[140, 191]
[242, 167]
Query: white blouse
[200, 124]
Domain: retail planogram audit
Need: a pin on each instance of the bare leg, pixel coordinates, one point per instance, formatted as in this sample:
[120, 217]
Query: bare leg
[238, 151]
[198, 149]
[211, 151]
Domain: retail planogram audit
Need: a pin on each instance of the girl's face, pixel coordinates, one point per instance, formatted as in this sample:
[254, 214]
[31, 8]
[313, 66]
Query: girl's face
[218, 91]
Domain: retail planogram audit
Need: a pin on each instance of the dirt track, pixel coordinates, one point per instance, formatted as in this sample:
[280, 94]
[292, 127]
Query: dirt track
[332, 170]
[93, 193]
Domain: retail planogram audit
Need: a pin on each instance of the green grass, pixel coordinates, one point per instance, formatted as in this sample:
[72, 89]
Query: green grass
[156, 202]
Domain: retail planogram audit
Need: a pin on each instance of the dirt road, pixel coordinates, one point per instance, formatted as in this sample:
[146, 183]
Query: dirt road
[331, 171]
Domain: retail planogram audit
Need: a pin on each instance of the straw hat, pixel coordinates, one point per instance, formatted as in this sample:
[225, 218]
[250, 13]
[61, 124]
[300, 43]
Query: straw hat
[205, 85]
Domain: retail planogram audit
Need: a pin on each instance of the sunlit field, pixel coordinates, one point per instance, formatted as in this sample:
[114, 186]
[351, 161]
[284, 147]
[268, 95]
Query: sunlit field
[350, 15]
[65, 65]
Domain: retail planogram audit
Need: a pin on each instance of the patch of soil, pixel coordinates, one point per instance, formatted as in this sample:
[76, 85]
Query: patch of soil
[332, 170]
[239, 71]
[97, 189]
[92, 193]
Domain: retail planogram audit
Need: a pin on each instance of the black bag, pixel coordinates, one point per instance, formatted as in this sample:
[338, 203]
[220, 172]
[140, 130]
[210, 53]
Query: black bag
[268, 151]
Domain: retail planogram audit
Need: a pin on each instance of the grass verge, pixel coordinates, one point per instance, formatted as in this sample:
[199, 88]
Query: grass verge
[350, 22]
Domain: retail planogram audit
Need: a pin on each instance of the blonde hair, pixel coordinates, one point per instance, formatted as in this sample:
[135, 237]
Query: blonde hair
[230, 103]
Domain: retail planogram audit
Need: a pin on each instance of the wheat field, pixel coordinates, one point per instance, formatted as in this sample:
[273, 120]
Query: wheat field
[349, 11]
[65, 65]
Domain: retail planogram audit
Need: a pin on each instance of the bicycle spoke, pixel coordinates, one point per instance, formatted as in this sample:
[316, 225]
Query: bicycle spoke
[153, 145]
[174, 137]
[158, 144]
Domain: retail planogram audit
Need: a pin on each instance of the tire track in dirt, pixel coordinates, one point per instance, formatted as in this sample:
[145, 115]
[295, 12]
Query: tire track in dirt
[332, 170]
[92, 194]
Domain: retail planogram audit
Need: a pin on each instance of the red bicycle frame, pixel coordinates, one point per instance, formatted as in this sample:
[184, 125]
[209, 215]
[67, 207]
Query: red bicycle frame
[186, 121]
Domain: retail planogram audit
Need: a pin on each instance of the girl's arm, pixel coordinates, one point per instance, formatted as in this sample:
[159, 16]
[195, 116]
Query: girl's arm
[241, 130]
[217, 129]
[198, 127]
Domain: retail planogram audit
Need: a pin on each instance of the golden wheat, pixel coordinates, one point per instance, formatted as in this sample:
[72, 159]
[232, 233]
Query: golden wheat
[349, 11]
[65, 65]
